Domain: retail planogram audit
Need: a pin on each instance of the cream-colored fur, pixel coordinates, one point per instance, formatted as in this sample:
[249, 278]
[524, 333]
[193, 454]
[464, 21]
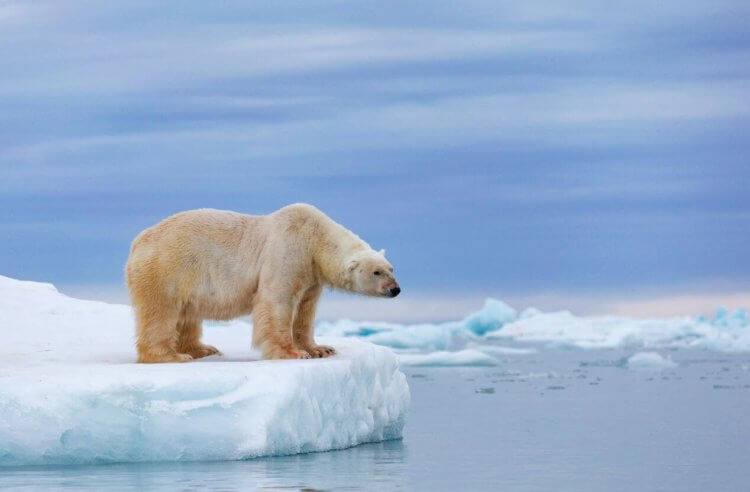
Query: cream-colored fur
[213, 264]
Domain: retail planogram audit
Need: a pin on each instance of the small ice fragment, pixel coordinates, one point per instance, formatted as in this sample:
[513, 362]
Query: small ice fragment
[444, 359]
[649, 361]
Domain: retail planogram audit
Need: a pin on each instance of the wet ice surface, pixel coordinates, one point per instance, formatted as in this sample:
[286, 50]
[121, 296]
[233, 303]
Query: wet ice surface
[552, 420]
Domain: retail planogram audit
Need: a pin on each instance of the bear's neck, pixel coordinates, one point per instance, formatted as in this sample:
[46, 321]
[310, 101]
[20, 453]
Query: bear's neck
[334, 246]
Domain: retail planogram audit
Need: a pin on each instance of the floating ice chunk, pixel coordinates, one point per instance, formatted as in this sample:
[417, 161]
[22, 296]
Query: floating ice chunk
[529, 312]
[649, 361]
[491, 317]
[737, 319]
[500, 350]
[349, 328]
[70, 392]
[425, 336]
[466, 357]
[420, 336]
[727, 332]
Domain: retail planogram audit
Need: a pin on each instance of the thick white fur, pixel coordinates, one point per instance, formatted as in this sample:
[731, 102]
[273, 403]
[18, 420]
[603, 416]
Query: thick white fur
[213, 264]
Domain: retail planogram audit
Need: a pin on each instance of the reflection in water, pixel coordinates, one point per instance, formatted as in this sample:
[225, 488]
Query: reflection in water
[378, 465]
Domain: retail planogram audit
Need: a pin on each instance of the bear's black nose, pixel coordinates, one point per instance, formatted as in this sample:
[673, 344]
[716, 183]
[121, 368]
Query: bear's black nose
[395, 291]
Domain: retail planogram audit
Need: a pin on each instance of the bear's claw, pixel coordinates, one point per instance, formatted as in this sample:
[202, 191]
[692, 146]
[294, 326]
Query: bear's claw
[204, 351]
[321, 351]
[280, 353]
[297, 354]
[150, 358]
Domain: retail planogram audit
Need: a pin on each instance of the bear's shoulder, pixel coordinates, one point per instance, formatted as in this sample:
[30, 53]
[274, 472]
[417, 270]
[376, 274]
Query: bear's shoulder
[301, 213]
[300, 209]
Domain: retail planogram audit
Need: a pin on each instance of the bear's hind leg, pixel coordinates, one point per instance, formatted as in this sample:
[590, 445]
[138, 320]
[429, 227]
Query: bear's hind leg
[189, 339]
[156, 336]
[272, 331]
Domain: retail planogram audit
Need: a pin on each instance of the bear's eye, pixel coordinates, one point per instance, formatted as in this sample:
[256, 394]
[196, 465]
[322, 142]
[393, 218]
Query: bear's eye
[376, 272]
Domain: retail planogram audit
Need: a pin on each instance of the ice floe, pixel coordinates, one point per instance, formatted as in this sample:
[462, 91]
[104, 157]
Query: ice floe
[70, 392]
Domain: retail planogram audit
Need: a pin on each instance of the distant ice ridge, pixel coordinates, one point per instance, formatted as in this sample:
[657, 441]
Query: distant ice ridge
[727, 332]
[425, 336]
[498, 322]
[70, 392]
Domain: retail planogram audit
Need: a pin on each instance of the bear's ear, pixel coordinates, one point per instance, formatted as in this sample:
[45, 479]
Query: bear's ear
[382, 252]
[351, 265]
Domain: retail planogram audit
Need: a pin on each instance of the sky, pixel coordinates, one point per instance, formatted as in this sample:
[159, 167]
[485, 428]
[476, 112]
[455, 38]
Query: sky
[583, 155]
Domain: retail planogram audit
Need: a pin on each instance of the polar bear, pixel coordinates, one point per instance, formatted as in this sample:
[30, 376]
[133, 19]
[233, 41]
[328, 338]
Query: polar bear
[214, 264]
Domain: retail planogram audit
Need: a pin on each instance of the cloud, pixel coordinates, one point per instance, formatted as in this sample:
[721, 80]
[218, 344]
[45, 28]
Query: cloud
[573, 116]
[497, 144]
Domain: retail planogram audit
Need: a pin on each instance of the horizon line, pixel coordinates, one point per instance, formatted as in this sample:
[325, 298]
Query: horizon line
[438, 307]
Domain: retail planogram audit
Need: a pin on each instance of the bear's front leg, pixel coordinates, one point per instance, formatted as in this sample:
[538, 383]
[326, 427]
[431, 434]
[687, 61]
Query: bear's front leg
[189, 339]
[303, 325]
[156, 333]
[272, 331]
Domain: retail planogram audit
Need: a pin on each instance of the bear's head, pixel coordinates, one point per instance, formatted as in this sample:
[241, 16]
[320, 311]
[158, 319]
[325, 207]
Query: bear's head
[371, 274]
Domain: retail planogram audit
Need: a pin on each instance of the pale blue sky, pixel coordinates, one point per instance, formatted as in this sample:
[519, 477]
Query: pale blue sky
[573, 149]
